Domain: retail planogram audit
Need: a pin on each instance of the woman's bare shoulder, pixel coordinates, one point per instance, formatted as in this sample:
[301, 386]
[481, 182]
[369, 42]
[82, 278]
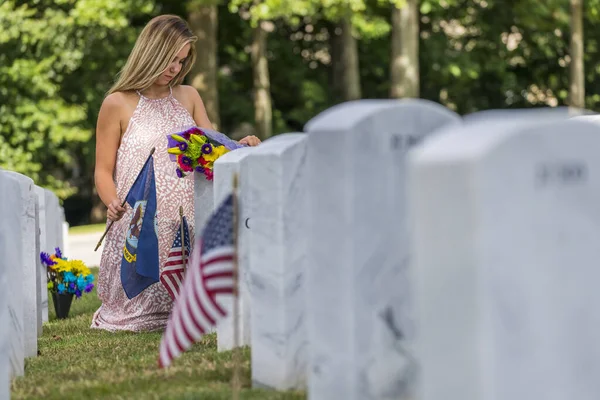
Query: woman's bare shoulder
[187, 95]
[187, 91]
[118, 107]
[119, 100]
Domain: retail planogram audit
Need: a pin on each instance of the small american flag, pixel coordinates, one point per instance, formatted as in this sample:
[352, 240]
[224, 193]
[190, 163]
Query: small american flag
[210, 272]
[173, 272]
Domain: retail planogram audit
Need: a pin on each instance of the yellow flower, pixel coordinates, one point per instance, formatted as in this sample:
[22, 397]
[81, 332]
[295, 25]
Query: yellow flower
[61, 265]
[217, 152]
[79, 267]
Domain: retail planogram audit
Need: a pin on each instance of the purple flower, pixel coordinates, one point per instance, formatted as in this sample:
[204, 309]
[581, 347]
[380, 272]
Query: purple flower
[207, 148]
[179, 173]
[78, 293]
[186, 160]
[72, 286]
[182, 146]
[89, 287]
[200, 169]
[186, 136]
[58, 252]
[45, 258]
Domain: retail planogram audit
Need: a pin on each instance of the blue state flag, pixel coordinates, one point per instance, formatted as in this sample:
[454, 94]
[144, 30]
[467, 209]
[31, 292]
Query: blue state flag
[139, 267]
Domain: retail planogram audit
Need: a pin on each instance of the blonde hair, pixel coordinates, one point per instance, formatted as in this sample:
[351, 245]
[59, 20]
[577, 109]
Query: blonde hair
[156, 47]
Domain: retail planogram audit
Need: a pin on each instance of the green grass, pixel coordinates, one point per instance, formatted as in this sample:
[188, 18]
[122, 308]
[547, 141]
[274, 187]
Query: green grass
[82, 229]
[76, 362]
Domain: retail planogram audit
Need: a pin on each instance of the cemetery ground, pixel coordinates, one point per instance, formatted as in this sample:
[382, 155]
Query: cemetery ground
[83, 229]
[75, 361]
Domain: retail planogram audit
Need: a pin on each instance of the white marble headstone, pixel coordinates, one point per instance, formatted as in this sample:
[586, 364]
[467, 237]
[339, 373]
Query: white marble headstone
[63, 229]
[11, 214]
[224, 169]
[203, 201]
[54, 214]
[275, 195]
[357, 286]
[42, 225]
[5, 331]
[29, 264]
[65, 237]
[506, 243]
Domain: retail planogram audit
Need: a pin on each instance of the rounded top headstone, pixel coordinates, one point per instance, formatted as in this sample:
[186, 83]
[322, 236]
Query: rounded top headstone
[278, 144]
[234, 156]
[22, 179]
[593, 118]
[479, 136]
[347, 115]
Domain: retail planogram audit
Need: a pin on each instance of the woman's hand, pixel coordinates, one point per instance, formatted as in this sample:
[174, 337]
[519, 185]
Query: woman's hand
[250, 140]
[115, 211]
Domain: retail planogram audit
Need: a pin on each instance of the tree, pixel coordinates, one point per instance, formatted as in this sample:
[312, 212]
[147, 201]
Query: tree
[577, 77]
[203, 19]
[263, 113]
[55, 65]
[404, 68]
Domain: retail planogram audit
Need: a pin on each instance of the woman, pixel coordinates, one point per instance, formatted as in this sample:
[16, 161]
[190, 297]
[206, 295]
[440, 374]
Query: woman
[145, 104]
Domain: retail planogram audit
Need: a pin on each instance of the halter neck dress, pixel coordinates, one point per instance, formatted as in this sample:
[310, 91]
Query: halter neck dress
[151, 121]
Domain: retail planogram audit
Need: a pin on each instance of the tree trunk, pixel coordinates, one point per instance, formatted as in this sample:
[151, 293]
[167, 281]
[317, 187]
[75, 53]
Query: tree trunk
[203, 20]
[344, 59]
[263, 114]
[577, 78]
[337, 67]
[404, 68]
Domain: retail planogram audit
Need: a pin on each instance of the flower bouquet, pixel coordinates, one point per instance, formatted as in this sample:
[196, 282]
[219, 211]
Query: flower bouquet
[65, 279]
[196, 149]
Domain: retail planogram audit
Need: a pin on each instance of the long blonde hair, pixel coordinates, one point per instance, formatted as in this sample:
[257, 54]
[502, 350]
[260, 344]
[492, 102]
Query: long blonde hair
[156, 47]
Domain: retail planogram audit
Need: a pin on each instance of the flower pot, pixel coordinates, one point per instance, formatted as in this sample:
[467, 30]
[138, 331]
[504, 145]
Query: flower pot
[62, 304]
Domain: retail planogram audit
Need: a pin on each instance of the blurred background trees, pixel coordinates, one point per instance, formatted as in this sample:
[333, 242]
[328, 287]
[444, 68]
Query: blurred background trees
[268, 66]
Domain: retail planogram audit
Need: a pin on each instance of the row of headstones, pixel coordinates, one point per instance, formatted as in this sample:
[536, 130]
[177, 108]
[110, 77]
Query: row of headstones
[395, 250]
[31, 220]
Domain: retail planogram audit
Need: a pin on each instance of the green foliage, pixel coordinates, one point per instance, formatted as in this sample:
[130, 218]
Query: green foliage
[59, 57]
[367, 24]
[54, 56]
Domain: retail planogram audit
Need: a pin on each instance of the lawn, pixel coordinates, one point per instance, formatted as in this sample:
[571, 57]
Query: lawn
[76, 362]
[82, 229]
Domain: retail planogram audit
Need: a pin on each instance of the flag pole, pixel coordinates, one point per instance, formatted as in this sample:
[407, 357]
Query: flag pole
[182, 239]
[236, 384]
[123, 203]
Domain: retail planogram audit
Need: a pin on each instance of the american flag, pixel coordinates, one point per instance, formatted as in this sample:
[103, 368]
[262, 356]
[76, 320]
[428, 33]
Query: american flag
[173, 272]
[210, 273]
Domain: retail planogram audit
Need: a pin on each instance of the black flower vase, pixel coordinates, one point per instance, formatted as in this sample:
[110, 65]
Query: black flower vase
[62, 304]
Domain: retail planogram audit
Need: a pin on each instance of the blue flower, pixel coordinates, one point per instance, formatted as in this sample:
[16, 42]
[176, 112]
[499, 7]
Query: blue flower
[89, 278]
[81, 282]
[69, 277]
[61, 288]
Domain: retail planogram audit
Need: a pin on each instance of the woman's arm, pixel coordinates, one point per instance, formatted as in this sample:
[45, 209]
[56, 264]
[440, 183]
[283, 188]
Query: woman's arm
[108, 137]
[199, 111]
[201, 117]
